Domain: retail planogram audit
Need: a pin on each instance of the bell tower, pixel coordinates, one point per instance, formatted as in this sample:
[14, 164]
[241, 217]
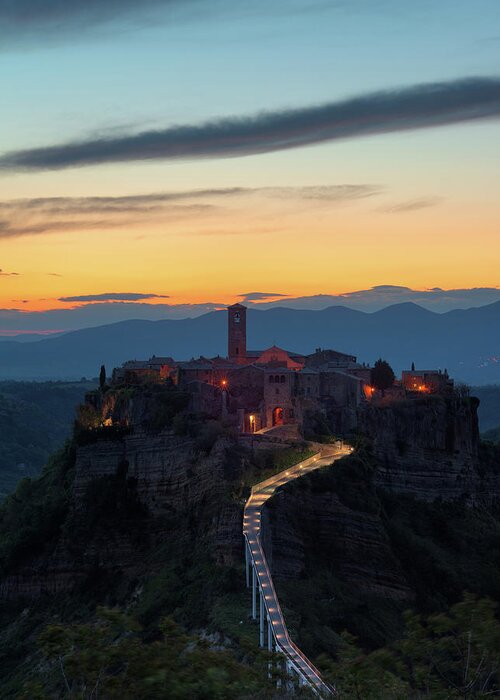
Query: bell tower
[237, 333]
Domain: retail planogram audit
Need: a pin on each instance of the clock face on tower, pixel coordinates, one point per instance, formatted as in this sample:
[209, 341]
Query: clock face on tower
[237, 317]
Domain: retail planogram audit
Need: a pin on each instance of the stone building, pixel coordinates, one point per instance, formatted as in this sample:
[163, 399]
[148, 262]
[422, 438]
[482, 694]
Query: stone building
[426, 381]
[261, 389]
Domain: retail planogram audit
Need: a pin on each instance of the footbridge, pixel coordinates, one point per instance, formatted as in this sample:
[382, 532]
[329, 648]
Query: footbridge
[273, 631]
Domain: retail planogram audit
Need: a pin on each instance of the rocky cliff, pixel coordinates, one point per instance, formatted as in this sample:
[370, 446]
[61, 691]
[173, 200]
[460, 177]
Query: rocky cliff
[429, 448]
[306, 522]
[129, 497]
[348, 554]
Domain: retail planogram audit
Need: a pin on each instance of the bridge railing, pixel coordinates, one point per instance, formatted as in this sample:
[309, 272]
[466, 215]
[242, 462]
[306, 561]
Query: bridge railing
[313, 679]
[287, 647]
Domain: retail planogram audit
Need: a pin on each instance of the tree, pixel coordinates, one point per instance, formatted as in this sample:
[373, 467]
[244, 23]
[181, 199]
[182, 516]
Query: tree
[412, 366]
[446, 656]
[108, 658]
[102, 377]
[382, 375]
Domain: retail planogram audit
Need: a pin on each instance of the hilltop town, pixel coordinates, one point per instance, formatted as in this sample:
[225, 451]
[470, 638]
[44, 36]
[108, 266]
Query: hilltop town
[262, 389]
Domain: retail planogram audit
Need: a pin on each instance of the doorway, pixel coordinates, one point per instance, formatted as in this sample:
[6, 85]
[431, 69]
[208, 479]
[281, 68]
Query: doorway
[278, 416]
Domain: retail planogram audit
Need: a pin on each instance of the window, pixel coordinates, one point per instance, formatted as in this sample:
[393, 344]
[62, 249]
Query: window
[271, 379]
[277, 379]
[282, 380]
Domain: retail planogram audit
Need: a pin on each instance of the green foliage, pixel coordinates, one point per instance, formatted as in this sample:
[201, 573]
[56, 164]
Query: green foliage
[440, 548]
[35, 420]
[352, 480]
[382, 375]
[32, 517]
[455, 654]
[444, 548]
[317, 428]
[166, 404]
[266, 463]
[109, 658]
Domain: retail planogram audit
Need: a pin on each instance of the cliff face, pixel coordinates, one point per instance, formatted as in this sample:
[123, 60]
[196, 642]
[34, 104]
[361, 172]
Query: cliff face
[391, 527]
[129, 497]
[306, 524]
[428, 448]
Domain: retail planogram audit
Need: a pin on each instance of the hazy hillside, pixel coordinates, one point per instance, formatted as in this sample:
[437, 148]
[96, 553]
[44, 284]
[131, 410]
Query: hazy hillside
[465, 342]
[489, 407]
[35, 419]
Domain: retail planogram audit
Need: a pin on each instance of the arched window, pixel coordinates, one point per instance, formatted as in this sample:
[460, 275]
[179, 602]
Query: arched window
[282, 379]
[277, 379]
[271, 379]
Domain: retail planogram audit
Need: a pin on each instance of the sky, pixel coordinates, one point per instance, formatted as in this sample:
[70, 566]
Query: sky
[163, 158]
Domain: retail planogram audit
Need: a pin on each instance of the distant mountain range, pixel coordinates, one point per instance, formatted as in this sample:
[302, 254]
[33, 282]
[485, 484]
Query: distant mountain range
[466, 342]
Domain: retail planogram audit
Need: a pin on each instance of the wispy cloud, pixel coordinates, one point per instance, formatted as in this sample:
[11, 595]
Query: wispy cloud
[415, 107]
[44, 215]
[113, 296]
[19, 222]
[3, 273]
[412, 205]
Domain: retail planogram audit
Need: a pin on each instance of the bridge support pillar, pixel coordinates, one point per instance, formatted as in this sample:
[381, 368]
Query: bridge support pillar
[254, 594]
[278, 667]
[261, 619]
[247, 564]
[269, 635]
[289, 679]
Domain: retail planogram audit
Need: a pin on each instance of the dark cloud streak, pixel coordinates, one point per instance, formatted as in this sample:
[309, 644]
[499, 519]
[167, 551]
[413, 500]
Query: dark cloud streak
[416, 107]
[259, 296]
[113, 296]
[42, 20]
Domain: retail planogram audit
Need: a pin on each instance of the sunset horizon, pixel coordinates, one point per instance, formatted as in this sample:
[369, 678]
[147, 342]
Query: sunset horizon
[197, 166]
